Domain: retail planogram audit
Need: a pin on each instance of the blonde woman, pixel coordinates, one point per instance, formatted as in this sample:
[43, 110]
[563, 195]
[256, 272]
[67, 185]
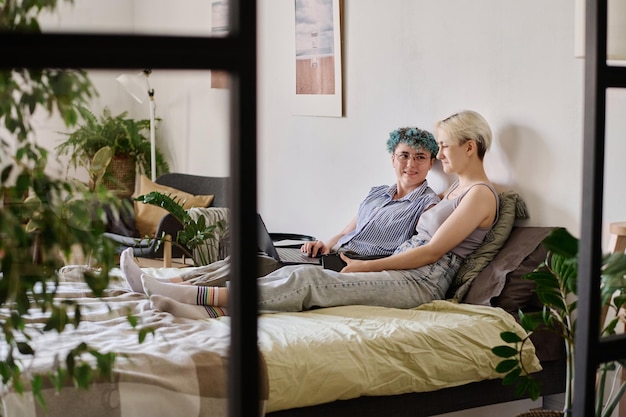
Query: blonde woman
[419, 271]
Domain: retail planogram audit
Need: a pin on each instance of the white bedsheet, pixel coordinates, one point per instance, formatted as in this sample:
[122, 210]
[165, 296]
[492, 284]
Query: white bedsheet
[311, 357]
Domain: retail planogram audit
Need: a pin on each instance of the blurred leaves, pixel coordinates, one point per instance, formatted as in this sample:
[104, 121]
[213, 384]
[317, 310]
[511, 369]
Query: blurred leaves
[556, 286]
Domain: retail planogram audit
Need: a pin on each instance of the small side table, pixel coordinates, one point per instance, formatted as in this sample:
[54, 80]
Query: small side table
[618, 237]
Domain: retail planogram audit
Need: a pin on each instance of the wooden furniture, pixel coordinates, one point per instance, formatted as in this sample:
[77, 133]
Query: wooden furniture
[617, 242]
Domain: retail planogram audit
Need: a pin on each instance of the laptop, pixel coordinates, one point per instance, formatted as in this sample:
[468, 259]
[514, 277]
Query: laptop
[286, 256]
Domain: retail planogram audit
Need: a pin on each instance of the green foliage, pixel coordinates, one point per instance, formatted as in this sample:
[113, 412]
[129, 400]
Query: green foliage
[194, 235]
[43, 219]
[99, 164]
[125, 136]
[556, 286]
[23, 91]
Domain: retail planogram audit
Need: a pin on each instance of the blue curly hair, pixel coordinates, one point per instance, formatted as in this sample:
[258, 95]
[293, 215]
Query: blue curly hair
[415, 138]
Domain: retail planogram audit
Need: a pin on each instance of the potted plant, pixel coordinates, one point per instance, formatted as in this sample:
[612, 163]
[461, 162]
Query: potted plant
[126, 137]
[197, 239]
[556, 280]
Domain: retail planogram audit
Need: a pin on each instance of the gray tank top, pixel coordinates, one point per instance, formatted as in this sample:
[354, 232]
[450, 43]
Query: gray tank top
[432, 219]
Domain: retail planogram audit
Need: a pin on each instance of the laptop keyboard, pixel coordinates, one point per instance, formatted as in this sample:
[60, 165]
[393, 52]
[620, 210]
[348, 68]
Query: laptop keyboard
[294, 255]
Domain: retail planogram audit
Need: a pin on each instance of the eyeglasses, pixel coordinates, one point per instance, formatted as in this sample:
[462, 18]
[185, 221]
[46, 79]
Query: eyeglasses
[404, 157]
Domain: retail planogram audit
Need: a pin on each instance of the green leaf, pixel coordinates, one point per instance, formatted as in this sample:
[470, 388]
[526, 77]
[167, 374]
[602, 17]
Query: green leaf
[82, 376]
[504, 351]
[534, 389]
[144, 331]
[36, 386]
[25, 349]
[507, 365]
[132, 320]
[512, 377]
[530, 321]
[561, 242]
[510, 337]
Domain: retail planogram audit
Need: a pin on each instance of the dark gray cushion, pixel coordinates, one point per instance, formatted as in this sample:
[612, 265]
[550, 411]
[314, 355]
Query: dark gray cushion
[502, 278]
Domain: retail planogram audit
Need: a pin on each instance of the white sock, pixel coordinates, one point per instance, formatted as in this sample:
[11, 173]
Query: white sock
[178, 309]
[188, 294]
[132, 271]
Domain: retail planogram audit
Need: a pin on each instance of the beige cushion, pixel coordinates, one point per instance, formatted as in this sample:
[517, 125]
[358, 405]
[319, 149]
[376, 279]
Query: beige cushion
[147, 216]
[511, 207]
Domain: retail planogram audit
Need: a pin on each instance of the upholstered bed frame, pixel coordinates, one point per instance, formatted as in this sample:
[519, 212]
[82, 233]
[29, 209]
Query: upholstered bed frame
[184, 366]
[500, 285]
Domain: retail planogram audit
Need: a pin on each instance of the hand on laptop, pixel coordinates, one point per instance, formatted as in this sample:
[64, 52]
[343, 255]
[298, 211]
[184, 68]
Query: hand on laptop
[315, 248]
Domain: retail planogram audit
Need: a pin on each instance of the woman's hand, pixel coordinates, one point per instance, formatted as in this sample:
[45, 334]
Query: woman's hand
[315, 248]
[353, 265]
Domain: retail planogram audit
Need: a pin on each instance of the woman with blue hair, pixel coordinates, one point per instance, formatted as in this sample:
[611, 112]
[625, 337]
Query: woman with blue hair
[386, 217]
[389, 213]
[420, 270]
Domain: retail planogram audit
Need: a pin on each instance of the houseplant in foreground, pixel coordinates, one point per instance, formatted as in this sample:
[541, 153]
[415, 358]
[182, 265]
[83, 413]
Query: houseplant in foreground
[127, 138]
[45, 218]
[42, 218]
[555, 281]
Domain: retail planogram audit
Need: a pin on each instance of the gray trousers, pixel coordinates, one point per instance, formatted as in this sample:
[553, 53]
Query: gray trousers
[218, 273]
[305, 287]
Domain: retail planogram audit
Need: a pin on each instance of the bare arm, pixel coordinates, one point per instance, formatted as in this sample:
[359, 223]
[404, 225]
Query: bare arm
[318, 247]
[476, 209]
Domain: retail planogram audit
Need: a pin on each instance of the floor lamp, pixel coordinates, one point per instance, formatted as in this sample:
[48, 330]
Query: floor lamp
[138, 86]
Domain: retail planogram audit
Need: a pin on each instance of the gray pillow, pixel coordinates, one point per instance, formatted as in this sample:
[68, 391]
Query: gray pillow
[500, 283]
[511, 207]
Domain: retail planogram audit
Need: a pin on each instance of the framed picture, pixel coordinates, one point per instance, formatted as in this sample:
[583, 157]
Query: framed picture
[317, 89]
[219, 27]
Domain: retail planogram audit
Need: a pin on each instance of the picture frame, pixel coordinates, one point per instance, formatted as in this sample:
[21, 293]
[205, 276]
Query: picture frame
[219, 27]
[317, 65]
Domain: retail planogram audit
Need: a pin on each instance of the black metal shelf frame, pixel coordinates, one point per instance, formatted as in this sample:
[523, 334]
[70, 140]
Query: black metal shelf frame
[235, 53]
[592, 350]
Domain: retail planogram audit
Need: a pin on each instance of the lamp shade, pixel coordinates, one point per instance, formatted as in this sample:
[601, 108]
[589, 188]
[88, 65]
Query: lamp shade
[136, 85]
[616, 30]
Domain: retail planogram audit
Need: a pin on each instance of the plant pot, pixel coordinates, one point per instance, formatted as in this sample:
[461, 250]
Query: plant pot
[542, 413]
[120, 176]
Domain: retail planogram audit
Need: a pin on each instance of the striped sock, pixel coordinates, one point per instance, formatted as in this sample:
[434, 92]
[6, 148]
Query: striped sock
[190, 311]
[215, 312]
[207, 296]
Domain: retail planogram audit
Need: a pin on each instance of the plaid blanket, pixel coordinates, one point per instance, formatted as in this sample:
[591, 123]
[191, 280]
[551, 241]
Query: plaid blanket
[180, 371]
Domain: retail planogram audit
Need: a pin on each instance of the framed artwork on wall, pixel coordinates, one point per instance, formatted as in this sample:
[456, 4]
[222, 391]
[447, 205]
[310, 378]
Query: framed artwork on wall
[219, 27]
[317, 57]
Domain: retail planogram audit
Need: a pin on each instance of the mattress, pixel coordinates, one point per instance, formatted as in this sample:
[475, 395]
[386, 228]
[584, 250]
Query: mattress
[307, 358]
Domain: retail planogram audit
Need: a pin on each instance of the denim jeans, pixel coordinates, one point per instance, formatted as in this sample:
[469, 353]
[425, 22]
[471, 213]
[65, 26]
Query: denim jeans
[304, 287]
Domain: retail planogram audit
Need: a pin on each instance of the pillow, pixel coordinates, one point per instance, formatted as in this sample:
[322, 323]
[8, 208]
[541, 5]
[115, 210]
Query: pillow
[519, 293]
[511, 207]
[500, 283]
[147, 216]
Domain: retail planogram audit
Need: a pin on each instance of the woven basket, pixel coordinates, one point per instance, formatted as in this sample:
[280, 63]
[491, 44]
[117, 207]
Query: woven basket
[542, 413]
[120, 176]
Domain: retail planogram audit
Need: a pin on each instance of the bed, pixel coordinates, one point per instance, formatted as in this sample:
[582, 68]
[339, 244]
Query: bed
[350, 360]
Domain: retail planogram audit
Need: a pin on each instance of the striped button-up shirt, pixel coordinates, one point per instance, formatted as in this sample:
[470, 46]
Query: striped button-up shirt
[383, 223]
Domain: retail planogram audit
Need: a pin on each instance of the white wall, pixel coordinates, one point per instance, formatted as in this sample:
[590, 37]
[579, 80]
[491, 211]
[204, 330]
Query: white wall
[193, 131]
[405, 62]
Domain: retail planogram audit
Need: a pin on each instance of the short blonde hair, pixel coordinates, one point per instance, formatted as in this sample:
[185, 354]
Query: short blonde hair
[466, 125]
